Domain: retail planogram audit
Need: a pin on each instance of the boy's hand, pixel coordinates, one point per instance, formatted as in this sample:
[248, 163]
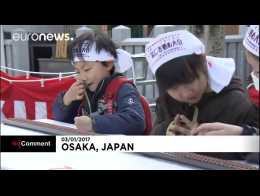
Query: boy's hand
[83, 123]
[75, 92]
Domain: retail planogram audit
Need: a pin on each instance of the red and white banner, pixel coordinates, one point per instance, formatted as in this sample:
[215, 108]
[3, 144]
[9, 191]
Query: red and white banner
[30, 100]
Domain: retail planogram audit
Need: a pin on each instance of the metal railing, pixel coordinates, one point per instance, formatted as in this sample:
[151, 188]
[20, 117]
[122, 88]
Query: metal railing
[145, 81]
[234, 49]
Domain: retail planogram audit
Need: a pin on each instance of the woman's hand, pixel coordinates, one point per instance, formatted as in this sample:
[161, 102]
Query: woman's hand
[217, 129]
[181, 125]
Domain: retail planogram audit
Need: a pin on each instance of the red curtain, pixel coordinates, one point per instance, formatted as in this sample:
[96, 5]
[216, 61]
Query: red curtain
[29, 93]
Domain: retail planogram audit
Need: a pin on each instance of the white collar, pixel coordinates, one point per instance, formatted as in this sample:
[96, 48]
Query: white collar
[220, 72]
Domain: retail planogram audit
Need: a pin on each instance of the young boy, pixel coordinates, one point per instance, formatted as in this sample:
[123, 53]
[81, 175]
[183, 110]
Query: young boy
[194, 88]
[97, 62]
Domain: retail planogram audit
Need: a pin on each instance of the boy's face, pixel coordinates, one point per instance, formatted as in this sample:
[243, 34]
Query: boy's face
[91, 73]
[190, 93]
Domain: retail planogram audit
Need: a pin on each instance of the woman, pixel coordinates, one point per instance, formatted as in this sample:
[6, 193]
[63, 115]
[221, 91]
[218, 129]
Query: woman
[194, 88]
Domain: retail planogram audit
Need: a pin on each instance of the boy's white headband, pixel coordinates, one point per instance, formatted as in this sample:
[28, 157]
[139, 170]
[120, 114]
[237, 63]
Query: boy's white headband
[87, 53]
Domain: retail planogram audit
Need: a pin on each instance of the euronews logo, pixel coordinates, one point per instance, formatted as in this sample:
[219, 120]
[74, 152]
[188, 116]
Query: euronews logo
[25, 36]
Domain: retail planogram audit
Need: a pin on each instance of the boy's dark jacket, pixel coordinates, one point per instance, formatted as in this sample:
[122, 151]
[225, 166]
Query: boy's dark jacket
[129, 118]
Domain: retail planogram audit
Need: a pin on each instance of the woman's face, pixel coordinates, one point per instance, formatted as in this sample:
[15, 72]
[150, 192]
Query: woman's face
[190, 93]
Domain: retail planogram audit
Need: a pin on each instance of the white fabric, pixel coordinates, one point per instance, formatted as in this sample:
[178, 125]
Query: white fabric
[168, 46]
[255, 81]
[251, 40]
[2, 117]
[19, 109]
[220, 72]
[40, 110]
[122, 63]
